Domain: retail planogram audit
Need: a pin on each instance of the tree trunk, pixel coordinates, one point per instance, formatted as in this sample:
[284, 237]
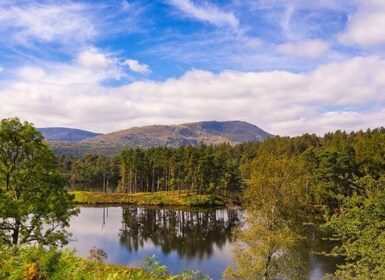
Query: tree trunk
[104, 183]
[15, 235]
[266, 275]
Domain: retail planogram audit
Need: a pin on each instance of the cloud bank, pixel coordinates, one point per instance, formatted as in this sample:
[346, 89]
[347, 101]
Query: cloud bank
[333, 96]
[288, 66]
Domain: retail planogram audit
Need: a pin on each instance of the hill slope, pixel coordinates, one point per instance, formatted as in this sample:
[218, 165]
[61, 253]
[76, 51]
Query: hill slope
[210, 132]
[66, 134]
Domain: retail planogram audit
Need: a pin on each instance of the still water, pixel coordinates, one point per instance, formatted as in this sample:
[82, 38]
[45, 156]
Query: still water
[180, 238]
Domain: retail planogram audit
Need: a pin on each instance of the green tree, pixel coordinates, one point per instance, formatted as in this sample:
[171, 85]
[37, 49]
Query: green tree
[275, 197]
[33, 203]
[360, 226]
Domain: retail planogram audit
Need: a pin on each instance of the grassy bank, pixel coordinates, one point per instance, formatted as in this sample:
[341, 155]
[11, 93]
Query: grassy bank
[172, 198]
[38, 263]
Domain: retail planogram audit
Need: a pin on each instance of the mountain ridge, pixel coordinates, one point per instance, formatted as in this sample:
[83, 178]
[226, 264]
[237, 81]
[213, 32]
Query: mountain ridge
[66, 134]
[205, 132]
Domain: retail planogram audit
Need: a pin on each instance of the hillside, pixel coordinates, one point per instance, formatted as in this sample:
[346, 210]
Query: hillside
[66, 134]
[210, 132]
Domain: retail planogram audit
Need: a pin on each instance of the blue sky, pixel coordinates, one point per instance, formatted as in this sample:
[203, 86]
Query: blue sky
[290, 67]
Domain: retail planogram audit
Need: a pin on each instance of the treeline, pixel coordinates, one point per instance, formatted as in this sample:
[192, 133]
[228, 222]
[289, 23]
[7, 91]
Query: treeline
[91, 168]
[291, 179]
[331, 164]
[204, 170]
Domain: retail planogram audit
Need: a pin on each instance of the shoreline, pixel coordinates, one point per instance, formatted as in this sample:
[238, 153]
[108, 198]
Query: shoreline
[164, 198]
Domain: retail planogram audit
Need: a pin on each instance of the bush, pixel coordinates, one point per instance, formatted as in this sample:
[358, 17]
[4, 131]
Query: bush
[39, 263]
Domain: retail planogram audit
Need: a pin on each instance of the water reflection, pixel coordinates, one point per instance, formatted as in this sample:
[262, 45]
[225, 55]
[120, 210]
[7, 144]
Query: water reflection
[192, 234]
[180, 238]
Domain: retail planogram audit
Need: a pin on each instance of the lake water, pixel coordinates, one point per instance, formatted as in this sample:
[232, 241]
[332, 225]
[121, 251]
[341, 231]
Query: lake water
[180, 239]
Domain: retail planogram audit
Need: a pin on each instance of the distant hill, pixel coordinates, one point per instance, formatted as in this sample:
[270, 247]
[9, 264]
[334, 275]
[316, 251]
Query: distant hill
[209, 132]
[66, 134]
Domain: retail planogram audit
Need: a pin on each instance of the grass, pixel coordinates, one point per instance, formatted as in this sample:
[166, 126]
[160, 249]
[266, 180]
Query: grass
[170, 198]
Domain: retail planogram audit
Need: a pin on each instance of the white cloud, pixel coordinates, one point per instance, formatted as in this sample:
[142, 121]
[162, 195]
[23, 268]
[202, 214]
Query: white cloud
[206, 12]
[1, 69]
[93, 58]
[307, 48]
[67, 22]
[136, 66]
[91, 67]
[366, 26]
[334, 96]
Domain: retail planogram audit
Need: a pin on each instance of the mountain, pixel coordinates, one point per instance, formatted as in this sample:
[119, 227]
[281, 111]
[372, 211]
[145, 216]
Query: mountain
[208, 132]
[66, 134]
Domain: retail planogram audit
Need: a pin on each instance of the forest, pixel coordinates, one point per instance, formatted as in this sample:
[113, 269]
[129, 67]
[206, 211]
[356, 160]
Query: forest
[330, 164]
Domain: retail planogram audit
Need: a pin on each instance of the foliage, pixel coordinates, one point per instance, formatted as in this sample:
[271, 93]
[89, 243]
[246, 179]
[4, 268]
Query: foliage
[203, 169]
[341, 172]
[159, 198]
[275, 196]
[33, 203]
[157, 271]
[92, 168]
[153, 267]
[331, 165]
[39, 263]
[360, 226]
[282, 178]
[97, 254]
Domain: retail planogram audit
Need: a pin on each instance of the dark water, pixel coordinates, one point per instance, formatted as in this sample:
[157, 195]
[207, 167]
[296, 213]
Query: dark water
[181, 239]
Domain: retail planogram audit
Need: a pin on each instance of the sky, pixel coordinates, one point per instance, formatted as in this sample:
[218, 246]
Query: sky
[288, 66]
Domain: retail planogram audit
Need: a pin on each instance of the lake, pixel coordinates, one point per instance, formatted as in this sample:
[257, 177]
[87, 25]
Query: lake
[180, 238]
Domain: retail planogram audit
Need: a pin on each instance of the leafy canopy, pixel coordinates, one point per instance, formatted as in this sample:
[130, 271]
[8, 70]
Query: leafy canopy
[275, 197]
[360, 226]
[33, 203]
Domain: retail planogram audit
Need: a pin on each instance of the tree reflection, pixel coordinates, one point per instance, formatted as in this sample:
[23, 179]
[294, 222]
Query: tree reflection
[191, 233]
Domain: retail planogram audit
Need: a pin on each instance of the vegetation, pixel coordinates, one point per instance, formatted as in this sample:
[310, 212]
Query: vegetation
[360, 226]
[90, 168]
[33, 203]
[289, 178]
[286, 182]
[274, 200]
[203, 170]
[331, 165]
[38, 263]
[158, 198]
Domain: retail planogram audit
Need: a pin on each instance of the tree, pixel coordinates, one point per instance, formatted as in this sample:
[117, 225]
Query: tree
[33, 203]
[275, 198]
[360, 226]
